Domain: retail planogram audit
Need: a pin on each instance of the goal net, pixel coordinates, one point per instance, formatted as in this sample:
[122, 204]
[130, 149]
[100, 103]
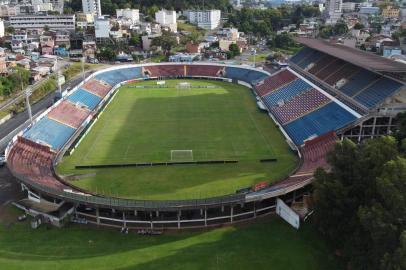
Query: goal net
[181, 155]
[183, 85]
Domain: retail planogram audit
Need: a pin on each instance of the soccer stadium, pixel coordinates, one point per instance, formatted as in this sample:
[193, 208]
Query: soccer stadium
[194, 145]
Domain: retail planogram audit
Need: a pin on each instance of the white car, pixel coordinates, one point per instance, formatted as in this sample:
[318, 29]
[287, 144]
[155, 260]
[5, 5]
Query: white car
[2, 160]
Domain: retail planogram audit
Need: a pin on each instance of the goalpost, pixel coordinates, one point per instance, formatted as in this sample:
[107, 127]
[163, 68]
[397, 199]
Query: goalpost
[181, 155]
[183, 85]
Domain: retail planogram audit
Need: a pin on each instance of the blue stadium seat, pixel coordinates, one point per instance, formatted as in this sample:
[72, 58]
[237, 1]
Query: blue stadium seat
[114, 77]
[301, 55]
[377, 92]
[311, 58]
[357, 82]
[84, 97]
[50, 132]
[329, 117]
[286, 92]
[243, 74]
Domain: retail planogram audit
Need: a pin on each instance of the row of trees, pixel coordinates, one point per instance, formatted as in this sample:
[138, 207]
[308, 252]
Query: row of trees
[360, 205]
[149, 7]
[264, 22]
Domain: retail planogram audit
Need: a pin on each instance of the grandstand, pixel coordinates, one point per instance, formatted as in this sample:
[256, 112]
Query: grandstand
[309, 117]
[362, 77]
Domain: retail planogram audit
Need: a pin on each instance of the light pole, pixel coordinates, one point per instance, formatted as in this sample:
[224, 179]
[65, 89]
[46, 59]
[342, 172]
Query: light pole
[27, 94]
[83, 67]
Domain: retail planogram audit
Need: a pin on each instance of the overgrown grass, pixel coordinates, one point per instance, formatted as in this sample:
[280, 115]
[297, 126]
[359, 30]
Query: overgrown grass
[144, 125]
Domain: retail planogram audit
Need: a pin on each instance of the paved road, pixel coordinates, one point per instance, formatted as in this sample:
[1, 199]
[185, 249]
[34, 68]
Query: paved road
[20, 120]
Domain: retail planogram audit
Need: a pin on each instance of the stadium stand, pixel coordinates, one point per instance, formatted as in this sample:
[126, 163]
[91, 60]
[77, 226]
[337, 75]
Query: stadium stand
[314, 156]
[165, 71]
[302, 54]
[69, 114]
[244, 74]
[274, 82]
[97, 87]
[377, 92]
[359, 81]
[113, 77]
[312, 57]
[204, 70]
[34, 161]
[325, 119]
[286, 92]
[334, 66]
[50, 132]
[299, 105]
[324, 61]
[345, 72]
[85, 98]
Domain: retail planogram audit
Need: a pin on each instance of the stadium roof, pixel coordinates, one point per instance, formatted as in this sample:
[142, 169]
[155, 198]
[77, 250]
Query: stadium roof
[354, 56]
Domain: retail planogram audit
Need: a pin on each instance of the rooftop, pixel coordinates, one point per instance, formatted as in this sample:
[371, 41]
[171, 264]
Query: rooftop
[354, 56]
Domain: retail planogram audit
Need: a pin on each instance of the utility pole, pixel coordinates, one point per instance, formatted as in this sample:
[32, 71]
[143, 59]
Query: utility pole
[27, 93]
[83, 68]
[58, 79]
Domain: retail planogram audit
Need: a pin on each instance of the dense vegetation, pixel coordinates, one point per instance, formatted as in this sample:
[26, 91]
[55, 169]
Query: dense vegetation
[361, 203]
[265, 22]
[13, 83]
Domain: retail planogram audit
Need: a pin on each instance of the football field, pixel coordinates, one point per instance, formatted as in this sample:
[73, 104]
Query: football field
[211, 120]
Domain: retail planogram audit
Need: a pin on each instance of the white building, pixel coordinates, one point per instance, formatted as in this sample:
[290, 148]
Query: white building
[348, 6]
[167, 18]
[132, 15]
[333, 11]
[54, 22]
[92, 7]
[206, 19]
[102, 27]
[1, 28]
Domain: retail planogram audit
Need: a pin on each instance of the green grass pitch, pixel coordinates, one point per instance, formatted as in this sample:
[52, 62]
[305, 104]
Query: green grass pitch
[145, 124]
[267, 244]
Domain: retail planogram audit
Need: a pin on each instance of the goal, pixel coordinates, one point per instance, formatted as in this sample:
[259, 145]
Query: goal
[181, 155]
[183, 85]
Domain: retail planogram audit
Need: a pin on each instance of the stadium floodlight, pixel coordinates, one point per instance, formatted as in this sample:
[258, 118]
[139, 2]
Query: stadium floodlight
[181, 155]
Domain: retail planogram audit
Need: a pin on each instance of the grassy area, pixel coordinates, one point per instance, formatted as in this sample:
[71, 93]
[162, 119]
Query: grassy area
[76, 68]
[258, 58]
[190, 28]
[144, 125]
[268, 244]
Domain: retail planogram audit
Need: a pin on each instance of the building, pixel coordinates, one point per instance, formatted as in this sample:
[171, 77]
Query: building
[390, 12]
[3, 64]
[1, 28]
[167, 18]
[84, 20]
[132, 15]
[348, 6]
[102, 28]
[54, 22]
[333, 11]
[369, 10]
[91, 7]
[206, 19]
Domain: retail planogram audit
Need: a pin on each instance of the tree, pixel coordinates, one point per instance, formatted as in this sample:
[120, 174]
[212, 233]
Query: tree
[360, 205]
[166, 41]
[106, 53]
[135, 40]
[10, 30]
[359, 26]
[340, 28]
[234, 49]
